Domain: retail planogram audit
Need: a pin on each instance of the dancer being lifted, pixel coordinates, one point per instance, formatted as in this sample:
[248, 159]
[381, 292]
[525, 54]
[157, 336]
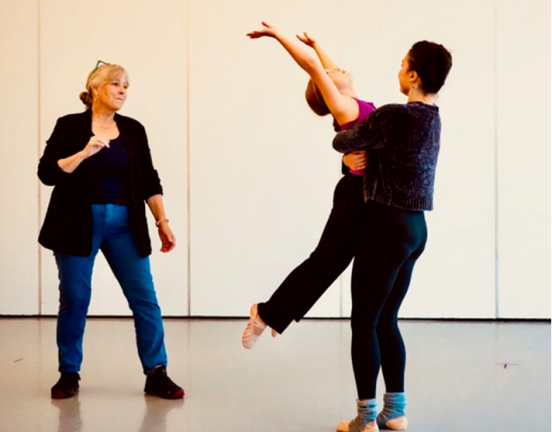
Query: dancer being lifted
[329, 91]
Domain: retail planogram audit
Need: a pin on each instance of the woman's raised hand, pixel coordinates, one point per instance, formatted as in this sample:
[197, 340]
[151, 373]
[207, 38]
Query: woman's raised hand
[306, 39]
[268, 30]
[95, 144]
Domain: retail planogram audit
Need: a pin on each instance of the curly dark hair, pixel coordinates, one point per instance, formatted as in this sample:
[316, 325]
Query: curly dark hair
[432, 63]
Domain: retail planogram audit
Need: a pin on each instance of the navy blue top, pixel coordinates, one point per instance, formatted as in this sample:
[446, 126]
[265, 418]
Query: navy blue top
[109, 175]
[68, 223]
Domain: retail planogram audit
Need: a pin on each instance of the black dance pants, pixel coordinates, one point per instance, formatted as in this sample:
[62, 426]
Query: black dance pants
[391, 242]
[306, 284]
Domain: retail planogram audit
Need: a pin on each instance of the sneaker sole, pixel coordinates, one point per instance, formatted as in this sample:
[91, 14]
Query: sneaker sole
[62, 395]
[178, 395]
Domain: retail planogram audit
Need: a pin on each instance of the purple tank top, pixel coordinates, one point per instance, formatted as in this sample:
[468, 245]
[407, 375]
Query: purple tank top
[364, 110]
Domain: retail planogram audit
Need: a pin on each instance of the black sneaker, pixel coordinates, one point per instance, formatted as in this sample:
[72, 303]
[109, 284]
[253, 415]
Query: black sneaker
[159, 384]
[67, 385]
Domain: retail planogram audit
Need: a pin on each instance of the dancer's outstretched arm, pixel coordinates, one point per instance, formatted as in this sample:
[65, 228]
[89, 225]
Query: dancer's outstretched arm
[327, 62]
[343, 108]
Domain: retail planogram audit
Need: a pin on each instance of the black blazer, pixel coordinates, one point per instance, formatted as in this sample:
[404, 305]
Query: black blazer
[67, 227]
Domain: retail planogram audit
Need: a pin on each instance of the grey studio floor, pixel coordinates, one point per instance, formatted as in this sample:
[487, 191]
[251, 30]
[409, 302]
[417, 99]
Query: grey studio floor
[461, 376]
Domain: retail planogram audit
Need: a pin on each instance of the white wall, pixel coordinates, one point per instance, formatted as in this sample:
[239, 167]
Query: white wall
[262, 171]
[19, 149]
[523, 158]
[248, 170]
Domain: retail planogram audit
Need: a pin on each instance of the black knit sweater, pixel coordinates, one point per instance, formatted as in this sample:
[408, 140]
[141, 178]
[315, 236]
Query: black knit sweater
[403, 144]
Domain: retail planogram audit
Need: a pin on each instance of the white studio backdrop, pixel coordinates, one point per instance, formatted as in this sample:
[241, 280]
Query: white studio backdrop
[248, 170]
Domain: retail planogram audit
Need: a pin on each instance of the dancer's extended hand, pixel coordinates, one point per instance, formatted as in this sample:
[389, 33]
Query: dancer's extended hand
[306, 39]
[268, 30]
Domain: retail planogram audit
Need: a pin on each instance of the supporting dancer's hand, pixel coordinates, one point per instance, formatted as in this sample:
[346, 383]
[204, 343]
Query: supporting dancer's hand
[355, 160]
[268, 30]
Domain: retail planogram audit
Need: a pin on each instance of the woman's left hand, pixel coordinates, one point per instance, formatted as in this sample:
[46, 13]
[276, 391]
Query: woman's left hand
[168, 240]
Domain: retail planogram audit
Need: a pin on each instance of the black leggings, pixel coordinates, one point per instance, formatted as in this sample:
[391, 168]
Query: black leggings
[391, 242]
[337, 246]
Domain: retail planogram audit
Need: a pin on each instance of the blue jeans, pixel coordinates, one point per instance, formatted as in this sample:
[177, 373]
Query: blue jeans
[111, 234]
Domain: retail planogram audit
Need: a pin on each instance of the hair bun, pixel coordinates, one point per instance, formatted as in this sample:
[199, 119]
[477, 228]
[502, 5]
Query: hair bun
[85, 98]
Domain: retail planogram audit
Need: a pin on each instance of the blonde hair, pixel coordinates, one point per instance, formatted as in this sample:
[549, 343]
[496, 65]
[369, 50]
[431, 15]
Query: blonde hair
[99, 76]
[315, 99]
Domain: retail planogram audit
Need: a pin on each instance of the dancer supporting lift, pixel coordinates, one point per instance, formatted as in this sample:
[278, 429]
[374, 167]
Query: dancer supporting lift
[329, 91]
[405, 141]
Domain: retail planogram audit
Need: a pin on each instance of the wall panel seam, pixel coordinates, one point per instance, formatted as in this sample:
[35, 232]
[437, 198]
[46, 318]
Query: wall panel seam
[188, 166]
[496, 154]
[39, 124]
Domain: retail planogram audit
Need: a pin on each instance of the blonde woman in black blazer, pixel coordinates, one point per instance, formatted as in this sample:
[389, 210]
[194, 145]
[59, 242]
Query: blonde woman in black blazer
[100, 165]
